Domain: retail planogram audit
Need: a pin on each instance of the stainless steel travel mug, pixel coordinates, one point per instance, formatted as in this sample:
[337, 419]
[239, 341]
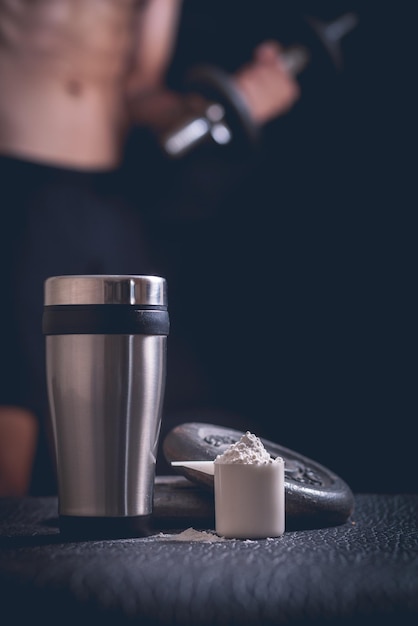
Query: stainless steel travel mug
[106, 366]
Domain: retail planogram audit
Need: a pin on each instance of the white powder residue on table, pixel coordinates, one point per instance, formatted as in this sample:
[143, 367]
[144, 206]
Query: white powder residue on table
[190, 534]
[248, 450]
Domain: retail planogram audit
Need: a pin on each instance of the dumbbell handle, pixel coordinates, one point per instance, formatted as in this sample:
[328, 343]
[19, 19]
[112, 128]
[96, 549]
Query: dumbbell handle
[212, 122]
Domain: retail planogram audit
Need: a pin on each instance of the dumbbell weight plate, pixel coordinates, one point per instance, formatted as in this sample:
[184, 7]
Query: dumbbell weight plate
[217, 86]
[315, 496]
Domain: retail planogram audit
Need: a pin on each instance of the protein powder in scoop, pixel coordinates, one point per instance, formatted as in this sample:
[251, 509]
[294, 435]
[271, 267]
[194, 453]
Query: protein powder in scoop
[249, 491]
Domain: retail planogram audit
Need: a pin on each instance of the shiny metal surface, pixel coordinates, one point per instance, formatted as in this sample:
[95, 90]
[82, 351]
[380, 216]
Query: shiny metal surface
[106, 394]
[106, 289]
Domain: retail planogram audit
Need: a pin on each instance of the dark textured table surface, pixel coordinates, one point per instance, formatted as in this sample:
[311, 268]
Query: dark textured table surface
[364, 571]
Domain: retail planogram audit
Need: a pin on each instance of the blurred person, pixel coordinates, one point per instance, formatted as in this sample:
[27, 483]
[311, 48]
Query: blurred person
[64, 70]
[73, 75]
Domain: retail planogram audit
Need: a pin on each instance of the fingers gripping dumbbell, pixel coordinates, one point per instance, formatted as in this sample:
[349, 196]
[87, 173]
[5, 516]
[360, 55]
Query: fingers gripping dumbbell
[224, 114]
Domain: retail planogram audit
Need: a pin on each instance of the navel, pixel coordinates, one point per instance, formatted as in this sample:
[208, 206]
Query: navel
[74, 87]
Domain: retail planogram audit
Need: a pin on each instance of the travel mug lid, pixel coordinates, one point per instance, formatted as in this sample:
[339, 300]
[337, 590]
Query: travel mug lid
[105, 289]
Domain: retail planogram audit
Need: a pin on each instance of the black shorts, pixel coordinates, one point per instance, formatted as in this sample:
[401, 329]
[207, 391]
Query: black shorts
[54, 221]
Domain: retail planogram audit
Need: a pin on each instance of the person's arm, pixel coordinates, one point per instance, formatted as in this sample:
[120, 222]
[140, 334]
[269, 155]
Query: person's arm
[265, 85]
[155, 34]
[18, 437]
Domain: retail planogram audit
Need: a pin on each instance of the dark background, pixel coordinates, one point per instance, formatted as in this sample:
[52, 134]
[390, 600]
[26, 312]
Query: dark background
[291, 269]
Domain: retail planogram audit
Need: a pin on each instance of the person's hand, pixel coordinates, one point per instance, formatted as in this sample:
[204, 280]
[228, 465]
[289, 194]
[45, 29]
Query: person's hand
[266, 85]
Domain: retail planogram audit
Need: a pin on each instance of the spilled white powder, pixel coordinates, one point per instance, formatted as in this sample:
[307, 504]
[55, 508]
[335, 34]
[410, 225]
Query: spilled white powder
[248, 450]
[190, 534]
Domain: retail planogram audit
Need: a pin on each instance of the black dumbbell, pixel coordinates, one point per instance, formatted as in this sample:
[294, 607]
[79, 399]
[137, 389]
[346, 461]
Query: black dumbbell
[225, 114]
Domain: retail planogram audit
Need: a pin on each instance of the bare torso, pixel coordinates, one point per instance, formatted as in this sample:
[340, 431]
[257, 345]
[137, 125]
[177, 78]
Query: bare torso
[63, 70]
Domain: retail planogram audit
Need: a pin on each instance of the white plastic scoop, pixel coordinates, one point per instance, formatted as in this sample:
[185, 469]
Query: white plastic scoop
[207, 467]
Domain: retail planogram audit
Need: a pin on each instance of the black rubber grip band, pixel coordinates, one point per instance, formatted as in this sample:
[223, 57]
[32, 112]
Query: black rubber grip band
[105, 319]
